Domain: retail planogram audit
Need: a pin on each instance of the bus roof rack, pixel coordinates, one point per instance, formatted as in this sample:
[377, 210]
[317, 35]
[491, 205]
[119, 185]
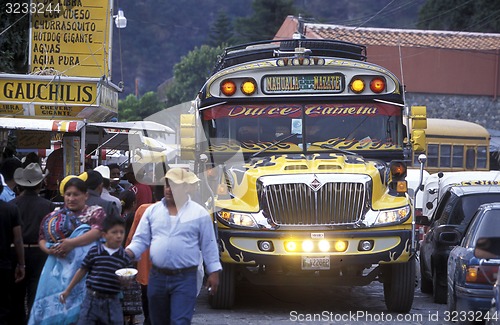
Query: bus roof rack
[282, 48]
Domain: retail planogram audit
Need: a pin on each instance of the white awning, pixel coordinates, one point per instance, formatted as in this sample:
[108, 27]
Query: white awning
[115, 127]
[40, 125]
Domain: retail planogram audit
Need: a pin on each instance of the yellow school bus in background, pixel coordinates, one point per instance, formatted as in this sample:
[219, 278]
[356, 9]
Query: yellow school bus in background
[455, 145]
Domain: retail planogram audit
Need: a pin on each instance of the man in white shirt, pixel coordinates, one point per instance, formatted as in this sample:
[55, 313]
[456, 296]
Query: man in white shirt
[176, 229]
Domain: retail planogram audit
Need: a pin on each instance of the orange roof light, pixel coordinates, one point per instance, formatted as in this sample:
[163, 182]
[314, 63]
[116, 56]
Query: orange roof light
[401, 186]
[377, 85]
[248, 87]
[357, 85]
[228, 87]
[398, 169]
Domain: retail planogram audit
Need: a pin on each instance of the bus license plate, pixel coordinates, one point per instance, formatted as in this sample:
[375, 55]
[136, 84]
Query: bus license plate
[315, 262]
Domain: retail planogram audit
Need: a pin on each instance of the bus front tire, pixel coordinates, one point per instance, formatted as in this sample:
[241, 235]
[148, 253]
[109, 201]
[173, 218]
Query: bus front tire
[225, 296]
[399, 286]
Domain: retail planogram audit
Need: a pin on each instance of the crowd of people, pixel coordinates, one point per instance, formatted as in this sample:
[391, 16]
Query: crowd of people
[58, 261]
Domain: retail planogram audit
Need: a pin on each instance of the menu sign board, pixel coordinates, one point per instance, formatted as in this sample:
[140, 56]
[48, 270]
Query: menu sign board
[75, 40]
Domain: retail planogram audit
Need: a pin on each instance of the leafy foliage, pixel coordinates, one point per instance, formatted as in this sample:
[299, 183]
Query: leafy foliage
[221, 32]
[191, 73]
[461, 15]
[267, 17]
[14, 36]
[134, 109]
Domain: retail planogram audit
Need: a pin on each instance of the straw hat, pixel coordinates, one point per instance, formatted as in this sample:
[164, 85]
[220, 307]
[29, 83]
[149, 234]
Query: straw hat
[180, 175]
[30, 176]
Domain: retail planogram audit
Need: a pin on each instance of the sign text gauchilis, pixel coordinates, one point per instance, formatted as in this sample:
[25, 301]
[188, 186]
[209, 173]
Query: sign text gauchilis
[48, 92]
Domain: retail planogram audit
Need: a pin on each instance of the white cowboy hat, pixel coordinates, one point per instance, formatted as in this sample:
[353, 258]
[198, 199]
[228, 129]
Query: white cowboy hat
[105, 172]
[180, 175]
[30, 176]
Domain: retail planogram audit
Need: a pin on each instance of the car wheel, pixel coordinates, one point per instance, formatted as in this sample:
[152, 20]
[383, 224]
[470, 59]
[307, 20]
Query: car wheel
[425, 282]
[439, 292]
[451, 302]
[225, 296]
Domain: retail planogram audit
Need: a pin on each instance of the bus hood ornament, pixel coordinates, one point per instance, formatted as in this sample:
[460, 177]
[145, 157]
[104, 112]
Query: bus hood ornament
[315, 185]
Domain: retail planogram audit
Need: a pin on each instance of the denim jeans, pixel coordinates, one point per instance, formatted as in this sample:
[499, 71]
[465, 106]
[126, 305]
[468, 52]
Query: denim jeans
[96, 310]
[172, 298]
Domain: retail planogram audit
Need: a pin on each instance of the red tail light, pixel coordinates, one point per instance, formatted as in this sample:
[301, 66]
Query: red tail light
[377, 85]
[483, 274]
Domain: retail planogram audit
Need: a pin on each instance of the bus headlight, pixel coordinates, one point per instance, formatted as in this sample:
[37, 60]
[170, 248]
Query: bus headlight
[376, 218]
[238, 219]
[394, 215]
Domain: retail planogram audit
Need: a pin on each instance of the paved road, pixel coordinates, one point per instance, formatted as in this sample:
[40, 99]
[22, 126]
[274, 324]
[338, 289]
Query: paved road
[300, 305]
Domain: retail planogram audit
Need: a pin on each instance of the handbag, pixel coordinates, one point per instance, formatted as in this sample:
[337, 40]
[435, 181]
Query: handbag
[132, 299]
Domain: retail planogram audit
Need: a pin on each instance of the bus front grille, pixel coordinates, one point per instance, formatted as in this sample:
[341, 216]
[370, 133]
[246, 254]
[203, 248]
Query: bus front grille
[298, 204]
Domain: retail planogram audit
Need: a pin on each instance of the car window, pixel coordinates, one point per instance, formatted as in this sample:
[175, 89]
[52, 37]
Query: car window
[445, 208]
[440, 207]
[467, 206]
[469, 238]
[489, 225]
[457, 215]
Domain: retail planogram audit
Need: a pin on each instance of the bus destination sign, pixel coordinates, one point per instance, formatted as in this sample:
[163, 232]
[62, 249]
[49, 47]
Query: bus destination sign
[304, 83]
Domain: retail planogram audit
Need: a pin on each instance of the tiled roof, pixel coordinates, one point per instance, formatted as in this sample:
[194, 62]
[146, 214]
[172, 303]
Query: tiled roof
[405, 37]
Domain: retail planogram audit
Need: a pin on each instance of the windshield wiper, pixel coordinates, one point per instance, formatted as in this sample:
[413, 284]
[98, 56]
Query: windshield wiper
[335, 149]
[274, 144]
[349, 135]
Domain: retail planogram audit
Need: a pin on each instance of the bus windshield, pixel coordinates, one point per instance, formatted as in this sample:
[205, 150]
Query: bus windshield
[359, 126]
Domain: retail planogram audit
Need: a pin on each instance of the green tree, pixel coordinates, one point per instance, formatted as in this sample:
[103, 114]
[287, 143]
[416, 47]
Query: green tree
[128, 108]
[137, 109]
[461, 15]
[267, 17]
[221, 32]
[191, 73]
[149, 105]
[14, 34]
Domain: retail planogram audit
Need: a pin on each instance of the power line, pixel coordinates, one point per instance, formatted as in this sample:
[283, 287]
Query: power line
[13, 24]
[446, 11]
[356, 21]
[376, 14]
[480, 23]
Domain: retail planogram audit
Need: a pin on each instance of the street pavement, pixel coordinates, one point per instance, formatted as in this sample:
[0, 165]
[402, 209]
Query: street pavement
[313, 305]
[316, 305]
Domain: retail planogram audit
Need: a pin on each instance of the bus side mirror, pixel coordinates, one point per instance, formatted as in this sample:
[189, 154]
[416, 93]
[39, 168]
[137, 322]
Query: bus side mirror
[418, 124]
[418, 117]
[418, 140]
[187, 136]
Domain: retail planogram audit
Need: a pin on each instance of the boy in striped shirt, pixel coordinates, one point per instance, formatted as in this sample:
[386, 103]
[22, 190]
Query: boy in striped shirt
[102, 300]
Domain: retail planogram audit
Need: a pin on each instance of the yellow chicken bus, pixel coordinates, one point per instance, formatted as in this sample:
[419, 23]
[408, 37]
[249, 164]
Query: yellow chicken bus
[303, 144]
